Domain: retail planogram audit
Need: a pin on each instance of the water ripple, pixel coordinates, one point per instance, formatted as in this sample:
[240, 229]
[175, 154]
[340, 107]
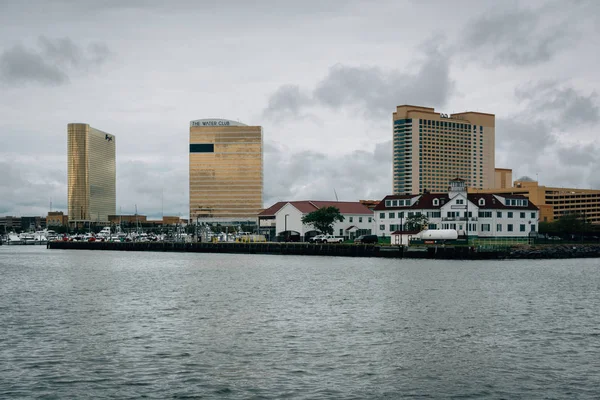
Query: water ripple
[187, 326]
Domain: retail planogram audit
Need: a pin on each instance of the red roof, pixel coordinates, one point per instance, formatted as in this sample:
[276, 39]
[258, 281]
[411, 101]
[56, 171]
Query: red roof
[308, 206]
[273, 209]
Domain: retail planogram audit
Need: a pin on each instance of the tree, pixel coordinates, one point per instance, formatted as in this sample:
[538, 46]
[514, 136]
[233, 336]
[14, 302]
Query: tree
[323, 219]
[416, 222]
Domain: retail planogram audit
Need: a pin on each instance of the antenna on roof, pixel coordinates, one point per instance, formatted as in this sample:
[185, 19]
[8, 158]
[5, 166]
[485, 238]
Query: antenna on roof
[334, 192]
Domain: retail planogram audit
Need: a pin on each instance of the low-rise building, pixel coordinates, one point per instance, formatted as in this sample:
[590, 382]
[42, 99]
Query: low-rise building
[554, 202]
[57, 218]
[286, 216]
[474, 215]
[10, 223]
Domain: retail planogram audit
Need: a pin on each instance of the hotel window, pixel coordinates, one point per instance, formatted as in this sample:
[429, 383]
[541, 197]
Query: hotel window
[509, 227]
[522, 214]
[510, 214]
[485, 227]
[370, 220]
[395, 203]
[460, 201]
[392, 215]
[533, 215]
[388, 203]
[382, 227]
[498, 227]
[359, 219]
[522, 228]
[350, 219]
[382, 215]
[481, 202]
[341, 232]
[498, 214]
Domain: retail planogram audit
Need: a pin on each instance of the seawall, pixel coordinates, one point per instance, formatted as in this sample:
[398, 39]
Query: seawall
[305, 249]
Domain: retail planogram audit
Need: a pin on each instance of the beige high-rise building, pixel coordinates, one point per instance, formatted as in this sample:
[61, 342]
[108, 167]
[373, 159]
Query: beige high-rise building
[226, 171]
[91, 164]
[432, 148]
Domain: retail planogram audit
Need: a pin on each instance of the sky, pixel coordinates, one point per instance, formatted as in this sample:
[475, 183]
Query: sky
[321, 77]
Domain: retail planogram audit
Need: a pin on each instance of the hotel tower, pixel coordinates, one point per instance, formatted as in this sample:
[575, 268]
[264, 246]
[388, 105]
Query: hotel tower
[431, 148]
[226, 172]
[91, 174]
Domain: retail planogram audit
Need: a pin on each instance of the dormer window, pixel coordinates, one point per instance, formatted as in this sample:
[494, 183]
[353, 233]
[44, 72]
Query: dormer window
[388, 203]
[482, 202]
[460, 201]
[436, 202]
[395, 203]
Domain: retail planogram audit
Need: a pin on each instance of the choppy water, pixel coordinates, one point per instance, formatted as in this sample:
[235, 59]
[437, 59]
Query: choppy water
[80, 324]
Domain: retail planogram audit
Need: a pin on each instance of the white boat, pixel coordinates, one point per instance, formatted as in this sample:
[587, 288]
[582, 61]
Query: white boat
[13, 239]
[27, 238]
[104, 233]
[40, 237]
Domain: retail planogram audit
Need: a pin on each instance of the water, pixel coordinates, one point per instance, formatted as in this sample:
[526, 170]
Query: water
[85, 324]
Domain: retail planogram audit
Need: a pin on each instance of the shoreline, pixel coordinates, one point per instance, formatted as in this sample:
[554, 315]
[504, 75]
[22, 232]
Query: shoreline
[347, 250]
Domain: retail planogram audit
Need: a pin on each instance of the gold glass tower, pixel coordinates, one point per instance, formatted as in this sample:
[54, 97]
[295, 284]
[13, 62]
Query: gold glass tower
[226, 171]
[91, 165]
[430, 149]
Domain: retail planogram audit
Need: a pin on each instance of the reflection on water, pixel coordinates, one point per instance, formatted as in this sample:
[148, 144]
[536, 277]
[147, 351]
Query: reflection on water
[82, 324]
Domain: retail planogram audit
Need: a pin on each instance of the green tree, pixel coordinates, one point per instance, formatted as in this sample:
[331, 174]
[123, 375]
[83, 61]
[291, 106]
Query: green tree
[323, 219]
[416, 222]
[572, 223]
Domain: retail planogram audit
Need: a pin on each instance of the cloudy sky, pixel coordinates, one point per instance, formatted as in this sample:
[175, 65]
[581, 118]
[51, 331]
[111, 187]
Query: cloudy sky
[321, 77]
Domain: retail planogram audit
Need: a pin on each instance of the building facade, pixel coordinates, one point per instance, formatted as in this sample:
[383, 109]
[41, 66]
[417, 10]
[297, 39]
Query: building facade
[91, 184]
[432, 148]
[57, 218]
[226, 172]
[554, 202]
[472, 215]
[503, 178]
[285, 216]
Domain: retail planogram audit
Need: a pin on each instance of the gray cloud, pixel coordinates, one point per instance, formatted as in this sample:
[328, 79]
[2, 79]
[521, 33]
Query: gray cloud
[564, 105]
[27, 189]
[371, 91]
[312, 175]
[583, 155]
[519, 37]
[51, 63]
[287, 101]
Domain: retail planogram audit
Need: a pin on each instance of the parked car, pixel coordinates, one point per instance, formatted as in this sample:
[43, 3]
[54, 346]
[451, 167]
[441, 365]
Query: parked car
[331, 239]
[367, 239]
[316, 239]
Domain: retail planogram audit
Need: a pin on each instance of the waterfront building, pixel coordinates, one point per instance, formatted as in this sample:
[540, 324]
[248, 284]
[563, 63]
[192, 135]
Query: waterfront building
[481, 215]
[10, 223]
[91, 163]
[286, 216]
[226, 172]
[57, 218]
[33, 223]
[554, 202]
[430, 148]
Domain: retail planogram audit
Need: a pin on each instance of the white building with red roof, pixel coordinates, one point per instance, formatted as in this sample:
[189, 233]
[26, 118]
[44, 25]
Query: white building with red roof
[474, 215]
[286, 216]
